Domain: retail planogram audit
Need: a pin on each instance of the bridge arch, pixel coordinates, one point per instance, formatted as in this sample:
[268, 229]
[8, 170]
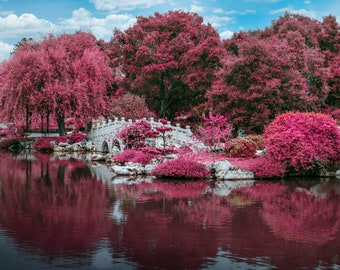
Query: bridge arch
[105, 147]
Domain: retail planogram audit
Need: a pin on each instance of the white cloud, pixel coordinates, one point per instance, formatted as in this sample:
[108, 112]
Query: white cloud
[124, 4]
[226, 34]
[195, 8]
[218, 11]
[304, 12]
[5, 50]
[100, 27]
[307, 2]
[217, 21]
[26, 25]
[5, 13]
[231, 12]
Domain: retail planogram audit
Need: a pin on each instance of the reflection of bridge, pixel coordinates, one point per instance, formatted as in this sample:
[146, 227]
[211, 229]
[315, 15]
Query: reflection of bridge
[104, 134]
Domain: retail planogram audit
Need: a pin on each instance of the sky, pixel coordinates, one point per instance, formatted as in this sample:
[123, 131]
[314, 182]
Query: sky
[34, 19]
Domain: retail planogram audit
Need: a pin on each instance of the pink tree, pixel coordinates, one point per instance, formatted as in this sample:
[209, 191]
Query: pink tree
[261, 78]
[131, 107]
[68, 76]
[166, 56]
[215, 131]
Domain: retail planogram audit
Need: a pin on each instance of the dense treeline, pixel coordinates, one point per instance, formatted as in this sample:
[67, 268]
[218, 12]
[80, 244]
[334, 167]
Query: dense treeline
[177, 63]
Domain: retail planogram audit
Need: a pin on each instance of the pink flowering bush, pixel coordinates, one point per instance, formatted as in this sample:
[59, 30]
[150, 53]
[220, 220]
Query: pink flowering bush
[76, 137]
[240, 147]
[181, 168]
[43, 145]
[134, 135]
[163, 121]
[61, 139]
[262, 167]
[303, 141]
[132, 155]
[214, 131]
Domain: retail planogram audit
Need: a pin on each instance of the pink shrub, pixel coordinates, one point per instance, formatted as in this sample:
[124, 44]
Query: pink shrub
[134, 135]
[301, 141]
[132, 155]
[181, 168]
[43, 145]
[61, 139]
[240, 147]
[76, 137]
[262, 167]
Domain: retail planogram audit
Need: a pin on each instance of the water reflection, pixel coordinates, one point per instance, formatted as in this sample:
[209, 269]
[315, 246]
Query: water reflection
[53, 206]
[57, 214]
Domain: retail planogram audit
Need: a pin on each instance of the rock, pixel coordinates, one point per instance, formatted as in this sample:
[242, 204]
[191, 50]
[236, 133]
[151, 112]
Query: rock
[129, 169]
[149, 167]
[57, 148]
[97, 157]
[220, 168]
[238, 174]
[224, 188]
[63, 144]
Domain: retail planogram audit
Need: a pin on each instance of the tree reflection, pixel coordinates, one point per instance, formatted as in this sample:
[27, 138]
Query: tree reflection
[170, 229]
[298, 214]
[45, 205]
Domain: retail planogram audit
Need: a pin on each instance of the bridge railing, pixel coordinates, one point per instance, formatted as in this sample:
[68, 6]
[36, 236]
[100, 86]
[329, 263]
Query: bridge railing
[106, 130]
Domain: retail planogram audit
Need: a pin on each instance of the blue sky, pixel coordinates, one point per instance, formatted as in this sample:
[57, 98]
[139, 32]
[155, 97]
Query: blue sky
[25, 18]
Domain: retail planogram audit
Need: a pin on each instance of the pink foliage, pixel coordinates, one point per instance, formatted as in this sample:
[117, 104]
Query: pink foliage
[167, 56]
[214, 131]
[303, 140]
[163, 121]
[76, 137]
[131, 107]
[163, 129]
[262, 167]
[135, 134]
[66, 75]
[61, 139]
[181, 168]
[43, 145]
[132, 155]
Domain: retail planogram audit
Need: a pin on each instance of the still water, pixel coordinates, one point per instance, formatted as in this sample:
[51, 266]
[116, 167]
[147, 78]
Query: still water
[69, 214]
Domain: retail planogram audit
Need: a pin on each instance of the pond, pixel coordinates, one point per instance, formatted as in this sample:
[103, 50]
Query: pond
[69, 214]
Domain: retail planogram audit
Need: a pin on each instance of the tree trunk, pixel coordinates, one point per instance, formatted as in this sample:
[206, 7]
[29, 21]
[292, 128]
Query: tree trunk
[47, 122]
[61, 124]
[162, 98]
[27, 118]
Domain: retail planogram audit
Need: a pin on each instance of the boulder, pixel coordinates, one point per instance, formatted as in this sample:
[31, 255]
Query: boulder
[238, 174]
[129, 168]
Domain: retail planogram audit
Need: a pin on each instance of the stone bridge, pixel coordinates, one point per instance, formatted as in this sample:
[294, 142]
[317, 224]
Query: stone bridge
[104, 135]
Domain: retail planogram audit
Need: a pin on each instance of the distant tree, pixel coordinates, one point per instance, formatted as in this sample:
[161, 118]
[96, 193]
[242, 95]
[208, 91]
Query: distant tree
[261, 78]
[168, 56]
[329, 42]
[62, 76]
[130, 106]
